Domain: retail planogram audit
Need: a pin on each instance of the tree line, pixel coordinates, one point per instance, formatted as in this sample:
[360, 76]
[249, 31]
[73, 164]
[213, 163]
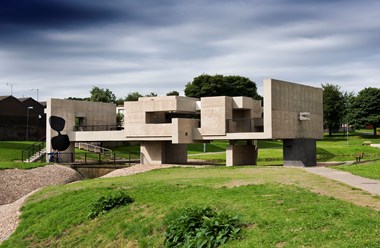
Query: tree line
[356, 111]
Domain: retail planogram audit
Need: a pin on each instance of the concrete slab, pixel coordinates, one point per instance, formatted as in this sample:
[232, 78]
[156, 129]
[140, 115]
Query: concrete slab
[370, 185]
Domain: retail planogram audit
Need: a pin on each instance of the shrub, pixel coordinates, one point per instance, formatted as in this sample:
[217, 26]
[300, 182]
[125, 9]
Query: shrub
[201, 227]
[105, 203]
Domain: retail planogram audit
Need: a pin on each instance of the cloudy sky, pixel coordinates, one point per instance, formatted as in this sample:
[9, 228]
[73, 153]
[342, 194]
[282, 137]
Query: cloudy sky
[65, 47]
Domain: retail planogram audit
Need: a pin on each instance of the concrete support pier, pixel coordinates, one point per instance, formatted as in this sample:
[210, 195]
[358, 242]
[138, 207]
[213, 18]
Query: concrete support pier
[300, 152]
[241, 154]
[162, 152]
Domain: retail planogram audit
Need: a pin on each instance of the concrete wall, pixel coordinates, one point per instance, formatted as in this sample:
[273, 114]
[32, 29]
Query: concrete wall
[287, 101]
[95, 113]
[145, 118]
[215, 111]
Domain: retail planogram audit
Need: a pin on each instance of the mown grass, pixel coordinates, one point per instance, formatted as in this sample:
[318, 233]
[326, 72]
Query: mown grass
[369, 170]
[274, 214]
[334, 148]
[10, 155]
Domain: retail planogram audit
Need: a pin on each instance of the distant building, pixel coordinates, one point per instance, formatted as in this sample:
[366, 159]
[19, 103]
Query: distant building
[21, 119]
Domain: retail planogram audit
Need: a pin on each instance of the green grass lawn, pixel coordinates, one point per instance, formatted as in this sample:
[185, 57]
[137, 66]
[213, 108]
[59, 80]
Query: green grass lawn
[335, 148]
[275, 205]
[369, 170]
[10, 155]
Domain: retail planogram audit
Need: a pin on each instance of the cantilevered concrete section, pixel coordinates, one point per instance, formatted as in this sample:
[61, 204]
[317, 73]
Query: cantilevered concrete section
[165, 125]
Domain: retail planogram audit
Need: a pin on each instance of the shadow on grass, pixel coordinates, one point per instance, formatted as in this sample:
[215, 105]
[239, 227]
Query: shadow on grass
[324, 155]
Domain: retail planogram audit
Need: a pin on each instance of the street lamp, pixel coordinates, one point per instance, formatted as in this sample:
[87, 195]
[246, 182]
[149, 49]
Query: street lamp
[27, 121]
[37, 93]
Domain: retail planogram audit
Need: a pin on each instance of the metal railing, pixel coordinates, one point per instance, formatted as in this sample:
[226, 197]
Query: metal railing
[98, 128]
[94, 148]
[36, 149]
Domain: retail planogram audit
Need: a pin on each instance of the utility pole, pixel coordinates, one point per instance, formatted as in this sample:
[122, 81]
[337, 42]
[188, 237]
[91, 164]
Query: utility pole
[37, 93]
[11, 85]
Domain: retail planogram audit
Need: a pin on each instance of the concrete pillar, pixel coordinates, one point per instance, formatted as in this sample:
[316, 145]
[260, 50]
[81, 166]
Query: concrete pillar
[68, 156]
[162, 152]
[241, 155]
[300, 152]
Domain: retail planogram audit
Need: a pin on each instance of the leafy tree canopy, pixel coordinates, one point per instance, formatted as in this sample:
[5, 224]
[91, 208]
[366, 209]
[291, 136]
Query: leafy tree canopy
[133, 96]
[102, 95]
[365, 108]
[173, 93]
[219, 85]
[333, 106]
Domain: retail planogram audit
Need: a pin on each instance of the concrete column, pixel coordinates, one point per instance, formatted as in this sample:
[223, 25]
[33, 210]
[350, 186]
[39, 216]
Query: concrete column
[300, 152]
[162, 152]
[175, 153]
[241, 155]
[68, 155]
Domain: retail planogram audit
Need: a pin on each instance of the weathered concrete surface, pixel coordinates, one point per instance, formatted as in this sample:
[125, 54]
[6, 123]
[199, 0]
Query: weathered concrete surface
[370, 185]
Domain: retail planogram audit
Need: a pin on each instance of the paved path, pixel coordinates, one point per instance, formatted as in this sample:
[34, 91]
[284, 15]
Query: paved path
[370, 185]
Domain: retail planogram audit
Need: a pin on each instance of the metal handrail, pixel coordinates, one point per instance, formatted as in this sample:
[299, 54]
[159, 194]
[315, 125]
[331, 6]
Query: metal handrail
[31, 150]
[98, 128]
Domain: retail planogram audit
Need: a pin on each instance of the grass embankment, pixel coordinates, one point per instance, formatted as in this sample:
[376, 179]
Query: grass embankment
[274, 203]
[10, 155]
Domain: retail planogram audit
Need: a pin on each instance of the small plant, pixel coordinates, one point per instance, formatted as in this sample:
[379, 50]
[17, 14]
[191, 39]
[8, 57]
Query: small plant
[105, 203]
[201, 227]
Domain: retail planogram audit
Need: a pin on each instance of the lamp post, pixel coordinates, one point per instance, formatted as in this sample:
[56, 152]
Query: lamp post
[11, 85]
[27, 121]
[37, 93]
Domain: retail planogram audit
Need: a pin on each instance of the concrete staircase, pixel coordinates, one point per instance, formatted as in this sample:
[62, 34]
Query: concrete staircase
[35, 157]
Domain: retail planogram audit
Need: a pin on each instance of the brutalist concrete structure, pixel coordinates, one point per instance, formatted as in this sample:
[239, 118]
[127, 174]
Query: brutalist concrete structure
[165, 125]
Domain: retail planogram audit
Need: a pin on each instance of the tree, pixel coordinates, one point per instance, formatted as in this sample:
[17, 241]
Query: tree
[151, 94]
[173, 93]
[333, 107]
[219, 85]
[365, 109]
[102, 95]
[133, 96]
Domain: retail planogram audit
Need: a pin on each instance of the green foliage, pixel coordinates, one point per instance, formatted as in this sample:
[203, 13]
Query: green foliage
[119, 119]
[106, 203]
[333, 107]
[173, 93]
[201, 227]
[102, 95]
[219, 85]
[365, 108]
[133, 96]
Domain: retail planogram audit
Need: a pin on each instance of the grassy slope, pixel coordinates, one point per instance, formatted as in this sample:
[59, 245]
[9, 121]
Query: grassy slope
[274, 214]
[369, 170]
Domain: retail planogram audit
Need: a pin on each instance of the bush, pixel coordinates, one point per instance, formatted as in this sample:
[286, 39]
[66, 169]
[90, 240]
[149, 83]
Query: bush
[201, 227]
[106, 203]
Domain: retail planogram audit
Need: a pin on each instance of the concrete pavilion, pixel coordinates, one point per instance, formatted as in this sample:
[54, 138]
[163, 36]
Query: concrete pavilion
[165, 125]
